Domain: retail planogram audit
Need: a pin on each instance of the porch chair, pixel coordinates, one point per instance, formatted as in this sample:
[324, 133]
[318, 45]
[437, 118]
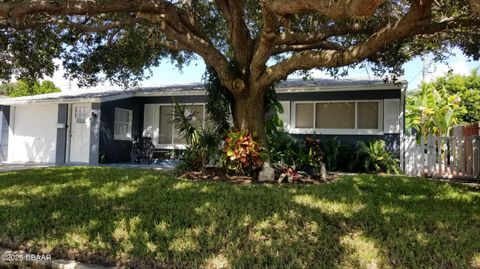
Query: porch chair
[142, 150]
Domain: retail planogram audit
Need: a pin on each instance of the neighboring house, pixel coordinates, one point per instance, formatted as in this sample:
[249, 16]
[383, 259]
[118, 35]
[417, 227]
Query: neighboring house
[77, 127]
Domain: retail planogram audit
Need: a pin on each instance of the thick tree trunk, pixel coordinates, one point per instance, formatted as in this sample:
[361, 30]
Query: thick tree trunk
[249, 114]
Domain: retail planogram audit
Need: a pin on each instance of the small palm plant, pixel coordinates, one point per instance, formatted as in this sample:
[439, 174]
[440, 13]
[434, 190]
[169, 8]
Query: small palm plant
[203, 143]
[185, 123]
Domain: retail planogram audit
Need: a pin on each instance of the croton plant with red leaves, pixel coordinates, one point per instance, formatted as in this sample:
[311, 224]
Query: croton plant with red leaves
[243, 153]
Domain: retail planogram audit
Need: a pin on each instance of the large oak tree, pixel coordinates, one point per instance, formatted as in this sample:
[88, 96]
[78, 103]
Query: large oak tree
[249, 44]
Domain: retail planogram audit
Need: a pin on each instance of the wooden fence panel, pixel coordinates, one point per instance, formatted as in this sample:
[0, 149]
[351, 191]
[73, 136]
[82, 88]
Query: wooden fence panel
[449, 157]
[469, 155]
[430, 156]
[476, 156]
[457, 154]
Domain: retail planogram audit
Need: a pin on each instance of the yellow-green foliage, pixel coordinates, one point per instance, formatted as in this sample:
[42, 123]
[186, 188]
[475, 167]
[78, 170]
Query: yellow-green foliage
[433, 111]
[467, 88]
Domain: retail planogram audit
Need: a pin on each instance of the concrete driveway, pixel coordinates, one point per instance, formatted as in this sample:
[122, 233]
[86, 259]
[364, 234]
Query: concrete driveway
[159, 165]
[7, 167]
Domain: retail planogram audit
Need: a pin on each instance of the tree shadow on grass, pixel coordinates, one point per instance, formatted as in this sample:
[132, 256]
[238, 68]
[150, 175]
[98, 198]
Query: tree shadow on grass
[146, 219]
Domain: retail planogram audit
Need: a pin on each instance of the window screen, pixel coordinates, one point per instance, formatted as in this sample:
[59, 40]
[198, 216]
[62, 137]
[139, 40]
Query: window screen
[335, 115]
[165, 124]
[367, 115]
[122, 129]
[304, 115]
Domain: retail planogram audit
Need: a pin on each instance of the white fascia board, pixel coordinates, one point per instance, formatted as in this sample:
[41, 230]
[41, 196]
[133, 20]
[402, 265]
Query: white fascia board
[169, 93]
[311, 131]
[50, 101]
[339, 88]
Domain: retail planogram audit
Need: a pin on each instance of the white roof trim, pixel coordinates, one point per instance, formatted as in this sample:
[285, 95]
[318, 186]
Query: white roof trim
[334, 88]
[178, 92]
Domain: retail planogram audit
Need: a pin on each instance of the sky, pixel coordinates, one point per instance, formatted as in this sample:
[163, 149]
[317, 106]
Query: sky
[168, 74]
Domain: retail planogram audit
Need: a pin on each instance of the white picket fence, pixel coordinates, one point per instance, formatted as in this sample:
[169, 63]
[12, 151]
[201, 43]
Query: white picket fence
[443, 157]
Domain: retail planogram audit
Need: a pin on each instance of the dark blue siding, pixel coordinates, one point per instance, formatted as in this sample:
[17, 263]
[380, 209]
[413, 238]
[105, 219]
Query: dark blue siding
[118, 150]
[4, 128]
[168, 99]
[392, 141]
[340, 95]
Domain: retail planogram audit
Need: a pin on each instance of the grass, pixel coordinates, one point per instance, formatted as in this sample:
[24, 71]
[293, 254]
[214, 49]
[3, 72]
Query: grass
[148, 219]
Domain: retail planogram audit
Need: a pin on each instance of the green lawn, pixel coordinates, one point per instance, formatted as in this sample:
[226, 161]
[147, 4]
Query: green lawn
[146, 219]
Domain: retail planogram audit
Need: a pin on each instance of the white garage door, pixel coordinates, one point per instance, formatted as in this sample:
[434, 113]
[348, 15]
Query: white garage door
[34, 134]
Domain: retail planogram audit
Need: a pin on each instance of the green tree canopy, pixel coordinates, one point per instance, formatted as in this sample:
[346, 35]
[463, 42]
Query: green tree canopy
[250, 44]
[24, 88]
[433, 111]
[467, 88]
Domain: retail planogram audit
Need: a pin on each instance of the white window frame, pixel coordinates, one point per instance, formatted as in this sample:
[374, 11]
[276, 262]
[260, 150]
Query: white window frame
[354, 131]
[128, 135]
[173, 145]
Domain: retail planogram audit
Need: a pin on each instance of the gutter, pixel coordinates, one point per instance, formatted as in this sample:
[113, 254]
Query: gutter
[124, 95]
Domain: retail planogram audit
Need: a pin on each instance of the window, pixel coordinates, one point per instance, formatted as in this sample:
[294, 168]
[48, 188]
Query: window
[342, 117]
[367, 115]
[80, 114]
[166, 125]
[304, 116]
[122, 124]
[335, 115]
[168, 133]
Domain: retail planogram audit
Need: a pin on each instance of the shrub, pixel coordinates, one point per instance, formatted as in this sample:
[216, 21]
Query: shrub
[243, 154]
[186, 123]
[310, 158]
[283, 147]
[192, 160]
[346, 158]
[313, 146]
[374, 158]
[331, 150]
[203, 143]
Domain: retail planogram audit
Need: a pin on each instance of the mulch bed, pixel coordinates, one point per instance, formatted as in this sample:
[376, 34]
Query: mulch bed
[219, 174]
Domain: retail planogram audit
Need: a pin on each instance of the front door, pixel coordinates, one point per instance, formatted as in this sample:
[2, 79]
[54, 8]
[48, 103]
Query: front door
[80, 133]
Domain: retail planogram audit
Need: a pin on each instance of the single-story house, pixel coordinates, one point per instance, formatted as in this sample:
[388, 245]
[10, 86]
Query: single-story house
[80, 126]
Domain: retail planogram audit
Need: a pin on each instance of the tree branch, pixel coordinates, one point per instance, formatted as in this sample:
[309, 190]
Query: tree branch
[305, 38]
[239, 35]
[176, 24]
[323, 45]
[339, 9]
[265, 43]
[175, 29]
[18, 10]
[418, 16]
[435, 27]
[94, 28]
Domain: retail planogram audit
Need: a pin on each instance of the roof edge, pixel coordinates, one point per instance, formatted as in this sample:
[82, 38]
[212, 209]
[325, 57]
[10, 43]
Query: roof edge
[153, 93]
